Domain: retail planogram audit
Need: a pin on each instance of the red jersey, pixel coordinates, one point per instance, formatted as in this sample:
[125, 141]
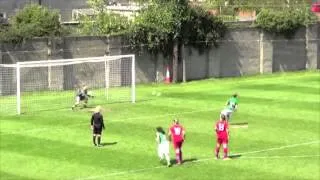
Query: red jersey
[221, 129]
[177, 133]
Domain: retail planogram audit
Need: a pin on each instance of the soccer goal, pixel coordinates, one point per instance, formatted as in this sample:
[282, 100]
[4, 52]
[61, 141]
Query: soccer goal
[51, 84]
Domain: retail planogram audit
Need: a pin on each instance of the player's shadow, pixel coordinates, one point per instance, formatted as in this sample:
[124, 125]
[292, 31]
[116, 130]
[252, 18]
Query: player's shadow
[109, 143]
[235, 156]
[173, 161]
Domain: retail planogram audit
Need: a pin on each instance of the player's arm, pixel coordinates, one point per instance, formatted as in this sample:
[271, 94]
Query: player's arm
[236, 104]
[102, 122]
[91, 123]
[228, 102]
[228, 132]
[169, 135]
[183, 134]
[157, 138]
[215, 128]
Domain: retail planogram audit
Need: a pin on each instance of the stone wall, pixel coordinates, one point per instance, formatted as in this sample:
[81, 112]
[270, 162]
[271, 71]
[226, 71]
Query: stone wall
[244, 51]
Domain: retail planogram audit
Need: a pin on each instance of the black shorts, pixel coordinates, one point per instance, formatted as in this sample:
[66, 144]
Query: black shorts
[97, 130]
[82, 98]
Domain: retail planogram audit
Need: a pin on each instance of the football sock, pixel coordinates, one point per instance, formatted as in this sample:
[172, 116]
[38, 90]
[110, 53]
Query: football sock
[225, 150]
[167, 158]
[217, 151]
[99, 139]
[180, 156]
[94, 140]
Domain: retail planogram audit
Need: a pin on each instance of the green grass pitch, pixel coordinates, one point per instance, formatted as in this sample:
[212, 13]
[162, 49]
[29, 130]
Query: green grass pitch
[282, 140]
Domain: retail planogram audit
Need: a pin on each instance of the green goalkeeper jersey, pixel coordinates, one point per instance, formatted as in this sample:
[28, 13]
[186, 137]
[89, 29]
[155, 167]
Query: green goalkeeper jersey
[232, 102]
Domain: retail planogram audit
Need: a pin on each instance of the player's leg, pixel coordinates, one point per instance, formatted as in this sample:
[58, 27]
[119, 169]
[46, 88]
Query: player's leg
[94, 139]
[160, 154]
[99, 131]
[166, 153]
[217, 150]
[99, 139]
[180, 153]
[77, 102]
[177, 151]
[225, 149]
[85, 101]
[229, 113]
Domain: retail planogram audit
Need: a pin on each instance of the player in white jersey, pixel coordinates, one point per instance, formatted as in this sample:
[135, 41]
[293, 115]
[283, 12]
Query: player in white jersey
[163, 145]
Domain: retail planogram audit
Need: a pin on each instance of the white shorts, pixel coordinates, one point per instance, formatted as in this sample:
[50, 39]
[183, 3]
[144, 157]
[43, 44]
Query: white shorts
[163, 149]
[227, 113]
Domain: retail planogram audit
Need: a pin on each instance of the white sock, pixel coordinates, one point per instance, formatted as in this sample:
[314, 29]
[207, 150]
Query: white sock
[167, 158]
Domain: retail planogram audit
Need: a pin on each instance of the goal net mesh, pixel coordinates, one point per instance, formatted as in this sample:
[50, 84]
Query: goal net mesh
[52, 85]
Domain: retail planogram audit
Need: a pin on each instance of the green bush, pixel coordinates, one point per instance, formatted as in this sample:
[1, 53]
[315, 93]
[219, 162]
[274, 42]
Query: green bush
[32, 21]
[286, 21]
[105, 23]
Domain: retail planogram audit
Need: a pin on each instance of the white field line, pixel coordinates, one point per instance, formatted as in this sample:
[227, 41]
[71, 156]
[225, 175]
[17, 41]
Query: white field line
[281, 157]
[133, 171]
[125, 119]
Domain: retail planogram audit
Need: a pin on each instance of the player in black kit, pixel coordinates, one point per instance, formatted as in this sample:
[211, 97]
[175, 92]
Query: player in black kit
[97, 125]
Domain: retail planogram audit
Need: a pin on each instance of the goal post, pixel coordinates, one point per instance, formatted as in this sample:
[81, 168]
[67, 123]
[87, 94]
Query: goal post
[51, 84]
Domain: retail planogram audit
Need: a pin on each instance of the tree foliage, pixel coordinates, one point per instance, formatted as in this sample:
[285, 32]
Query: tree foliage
[165, 21]
[165, 25]
[286, 21]
[103, 22]
[32, 21]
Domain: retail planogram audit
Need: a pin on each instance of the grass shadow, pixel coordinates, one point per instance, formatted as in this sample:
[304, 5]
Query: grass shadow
[235, 156]
[109, 143]
[190, 160]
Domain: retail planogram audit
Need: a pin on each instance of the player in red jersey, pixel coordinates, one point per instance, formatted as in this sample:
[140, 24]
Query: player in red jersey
[177, 135]
[222, 131]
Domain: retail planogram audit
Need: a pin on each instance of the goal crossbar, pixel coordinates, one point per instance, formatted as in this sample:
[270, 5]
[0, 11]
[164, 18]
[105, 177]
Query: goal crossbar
[65, 62]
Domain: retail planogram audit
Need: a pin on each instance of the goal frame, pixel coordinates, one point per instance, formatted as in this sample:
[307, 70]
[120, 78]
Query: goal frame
[50, 63]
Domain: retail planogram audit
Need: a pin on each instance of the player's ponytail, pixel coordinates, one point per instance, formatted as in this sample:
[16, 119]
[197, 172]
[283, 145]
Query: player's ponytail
[160, 130]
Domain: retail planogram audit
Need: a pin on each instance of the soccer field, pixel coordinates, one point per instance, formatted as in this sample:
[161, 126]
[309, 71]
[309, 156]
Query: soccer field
[282, 140]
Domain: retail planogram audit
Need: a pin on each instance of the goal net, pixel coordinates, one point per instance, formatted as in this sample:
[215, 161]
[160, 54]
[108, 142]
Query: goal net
[52, 84]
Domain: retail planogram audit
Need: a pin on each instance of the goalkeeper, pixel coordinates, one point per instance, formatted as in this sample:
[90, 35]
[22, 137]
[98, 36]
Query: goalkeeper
[231, 106]
[82, 97]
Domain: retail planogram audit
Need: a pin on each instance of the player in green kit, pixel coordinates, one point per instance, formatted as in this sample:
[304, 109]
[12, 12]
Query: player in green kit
[163, 145]
[231, 106]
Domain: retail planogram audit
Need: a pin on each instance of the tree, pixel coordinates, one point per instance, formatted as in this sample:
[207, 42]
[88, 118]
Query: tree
[32, 21]
[166, 25]
[284, 22]
[103, 22]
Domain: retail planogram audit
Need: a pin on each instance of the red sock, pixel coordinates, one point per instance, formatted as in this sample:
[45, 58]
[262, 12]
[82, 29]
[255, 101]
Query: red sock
[225, 150]
[180, 156]
[177, 155]
[217, 151]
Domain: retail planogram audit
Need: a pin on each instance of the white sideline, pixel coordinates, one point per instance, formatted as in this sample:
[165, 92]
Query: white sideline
[211, 158]
[125, 119]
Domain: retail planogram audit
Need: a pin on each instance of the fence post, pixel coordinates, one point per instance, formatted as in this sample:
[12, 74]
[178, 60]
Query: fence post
[1, 81]
[312, 44]
[49, 53]
[261, 52]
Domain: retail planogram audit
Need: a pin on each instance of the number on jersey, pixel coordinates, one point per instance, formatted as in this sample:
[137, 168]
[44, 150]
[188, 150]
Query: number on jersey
[177, 131]
[220, 127]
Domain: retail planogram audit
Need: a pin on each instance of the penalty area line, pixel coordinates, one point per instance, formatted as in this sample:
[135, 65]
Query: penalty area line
[134, 171]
